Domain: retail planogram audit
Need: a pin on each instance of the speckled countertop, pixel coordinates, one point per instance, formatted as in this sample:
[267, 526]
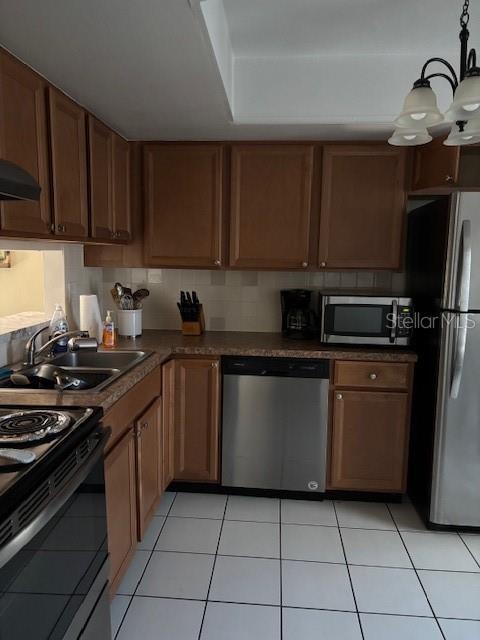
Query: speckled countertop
[164, 344]
[217, 343]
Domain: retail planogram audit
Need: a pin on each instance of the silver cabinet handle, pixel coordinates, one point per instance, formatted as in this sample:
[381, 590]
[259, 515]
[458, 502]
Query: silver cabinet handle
[62, 228]
[449, 178]
[323, 264]
[304, 264]
[217, 263]
[339, 396]
[214, 365]
[372, 376]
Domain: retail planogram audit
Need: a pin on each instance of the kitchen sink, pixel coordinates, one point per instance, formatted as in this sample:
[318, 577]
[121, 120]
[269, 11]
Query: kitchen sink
[122, 360]
[93, 380]
[96, 370]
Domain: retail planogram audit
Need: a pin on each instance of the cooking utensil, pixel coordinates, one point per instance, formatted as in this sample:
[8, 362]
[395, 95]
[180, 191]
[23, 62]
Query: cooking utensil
[115, 296]
[21, 456]
[126, 302]
[119, 289]
[138, 296]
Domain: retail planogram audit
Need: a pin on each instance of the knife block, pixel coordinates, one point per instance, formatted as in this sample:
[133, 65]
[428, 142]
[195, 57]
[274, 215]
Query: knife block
[196, 327]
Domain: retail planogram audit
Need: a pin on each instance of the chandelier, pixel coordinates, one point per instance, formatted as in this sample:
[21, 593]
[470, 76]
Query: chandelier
[420, 109]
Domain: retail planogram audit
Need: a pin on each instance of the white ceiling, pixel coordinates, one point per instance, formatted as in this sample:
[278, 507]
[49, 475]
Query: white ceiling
[329, 69]
[318, 27]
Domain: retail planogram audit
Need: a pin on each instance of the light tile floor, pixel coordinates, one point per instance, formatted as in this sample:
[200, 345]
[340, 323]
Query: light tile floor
[239, 568]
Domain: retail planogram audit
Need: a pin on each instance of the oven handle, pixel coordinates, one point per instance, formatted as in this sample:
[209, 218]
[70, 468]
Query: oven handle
[27, 534]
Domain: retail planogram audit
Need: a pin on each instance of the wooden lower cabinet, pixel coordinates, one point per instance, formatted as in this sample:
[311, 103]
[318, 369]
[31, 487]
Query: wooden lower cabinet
[192, 414]
[120, 489]
[168, 423]
[369, 441]
[148, 438]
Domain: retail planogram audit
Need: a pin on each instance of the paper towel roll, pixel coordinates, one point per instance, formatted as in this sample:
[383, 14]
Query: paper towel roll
[90, 318]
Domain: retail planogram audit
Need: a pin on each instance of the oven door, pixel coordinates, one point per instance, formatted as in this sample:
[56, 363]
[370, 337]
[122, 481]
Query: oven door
[359, 320]
[54, 569]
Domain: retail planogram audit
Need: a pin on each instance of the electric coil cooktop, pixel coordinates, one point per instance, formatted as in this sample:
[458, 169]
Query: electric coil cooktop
[30, 437]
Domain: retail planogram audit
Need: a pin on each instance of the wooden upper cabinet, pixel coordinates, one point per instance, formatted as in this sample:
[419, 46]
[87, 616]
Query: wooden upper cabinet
[109, 173]
[271, 189]
[441, 169]
[196, 419]
[435, 166]
[69, 166]
[369, 441]
[23, 141]
[363, 207]
[183, 205]
[101, 179]
[121, 189]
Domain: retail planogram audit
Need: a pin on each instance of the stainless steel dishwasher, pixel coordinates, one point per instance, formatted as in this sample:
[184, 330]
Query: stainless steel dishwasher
[275, 414]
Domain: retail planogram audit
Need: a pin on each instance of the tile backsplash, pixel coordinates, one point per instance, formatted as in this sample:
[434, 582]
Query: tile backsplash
[233, 300]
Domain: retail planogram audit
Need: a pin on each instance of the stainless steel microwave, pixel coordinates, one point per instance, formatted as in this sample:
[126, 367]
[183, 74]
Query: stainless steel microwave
[368, 320]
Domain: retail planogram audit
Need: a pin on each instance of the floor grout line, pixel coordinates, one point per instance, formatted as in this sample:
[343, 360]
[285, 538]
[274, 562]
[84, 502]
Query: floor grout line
[213, 568]
[418, 577]
[348, 571]
[147, 563]
[469, 551]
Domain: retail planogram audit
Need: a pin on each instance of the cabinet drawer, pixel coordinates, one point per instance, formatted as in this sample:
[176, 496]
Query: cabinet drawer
[372, 375]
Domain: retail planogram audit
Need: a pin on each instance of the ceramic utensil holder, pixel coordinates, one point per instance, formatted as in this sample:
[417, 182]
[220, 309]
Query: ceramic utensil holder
[129, 322]
[195, 327]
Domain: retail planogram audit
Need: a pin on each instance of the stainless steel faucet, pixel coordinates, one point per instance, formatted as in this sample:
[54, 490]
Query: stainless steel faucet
[31, 353]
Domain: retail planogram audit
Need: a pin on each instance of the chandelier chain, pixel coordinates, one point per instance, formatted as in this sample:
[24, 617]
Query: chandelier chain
[465, 17]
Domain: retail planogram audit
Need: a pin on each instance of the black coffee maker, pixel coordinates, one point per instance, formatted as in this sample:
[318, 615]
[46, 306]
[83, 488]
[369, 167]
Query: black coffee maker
[298, 318]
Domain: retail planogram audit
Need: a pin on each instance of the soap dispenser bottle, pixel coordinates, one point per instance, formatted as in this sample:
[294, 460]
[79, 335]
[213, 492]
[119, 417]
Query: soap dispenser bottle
[109, 336]
[58, 325]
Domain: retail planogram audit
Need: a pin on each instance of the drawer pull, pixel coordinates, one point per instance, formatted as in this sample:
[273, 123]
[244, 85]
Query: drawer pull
[372, 376]
[339, 396]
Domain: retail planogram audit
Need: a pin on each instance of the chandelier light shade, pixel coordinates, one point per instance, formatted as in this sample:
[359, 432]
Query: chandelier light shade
[469, 135]
[420, 109]
[405, 137]
[466, 101]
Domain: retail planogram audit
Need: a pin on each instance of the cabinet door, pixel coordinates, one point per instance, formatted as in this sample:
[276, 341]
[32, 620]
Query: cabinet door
[168, 422]
[100, 173]
[121, 189]
[148, 466]
[69, 166]
[197, 400]
[121, 511]
[271, 189]
[23, 141]
[183, 205]
[363, 207]
[369, 441]
[436, 167]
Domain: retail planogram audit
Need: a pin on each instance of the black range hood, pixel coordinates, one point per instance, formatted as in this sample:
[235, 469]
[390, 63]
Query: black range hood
[16, 183]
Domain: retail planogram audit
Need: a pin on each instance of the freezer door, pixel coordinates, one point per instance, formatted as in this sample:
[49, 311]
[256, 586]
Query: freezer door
[456, 466]
[462, 281]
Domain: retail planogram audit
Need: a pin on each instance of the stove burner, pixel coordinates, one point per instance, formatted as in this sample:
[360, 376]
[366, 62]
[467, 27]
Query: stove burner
[33, 425]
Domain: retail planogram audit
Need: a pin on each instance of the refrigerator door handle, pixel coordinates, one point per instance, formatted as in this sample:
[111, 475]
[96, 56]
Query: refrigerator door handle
[459, 356]
[466, 267]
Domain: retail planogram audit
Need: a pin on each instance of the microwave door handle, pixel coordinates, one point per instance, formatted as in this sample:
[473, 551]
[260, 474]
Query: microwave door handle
[393, 328]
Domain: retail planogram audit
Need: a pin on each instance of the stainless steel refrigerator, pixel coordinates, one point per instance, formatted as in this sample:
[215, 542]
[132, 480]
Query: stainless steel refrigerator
[443, 276]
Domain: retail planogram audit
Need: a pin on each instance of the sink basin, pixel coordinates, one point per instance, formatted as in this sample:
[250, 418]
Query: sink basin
[97, 369]
[93, 380]
[122, 360]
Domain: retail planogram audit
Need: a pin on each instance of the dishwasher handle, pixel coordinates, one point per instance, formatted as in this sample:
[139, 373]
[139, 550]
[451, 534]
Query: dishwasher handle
[279, 367]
